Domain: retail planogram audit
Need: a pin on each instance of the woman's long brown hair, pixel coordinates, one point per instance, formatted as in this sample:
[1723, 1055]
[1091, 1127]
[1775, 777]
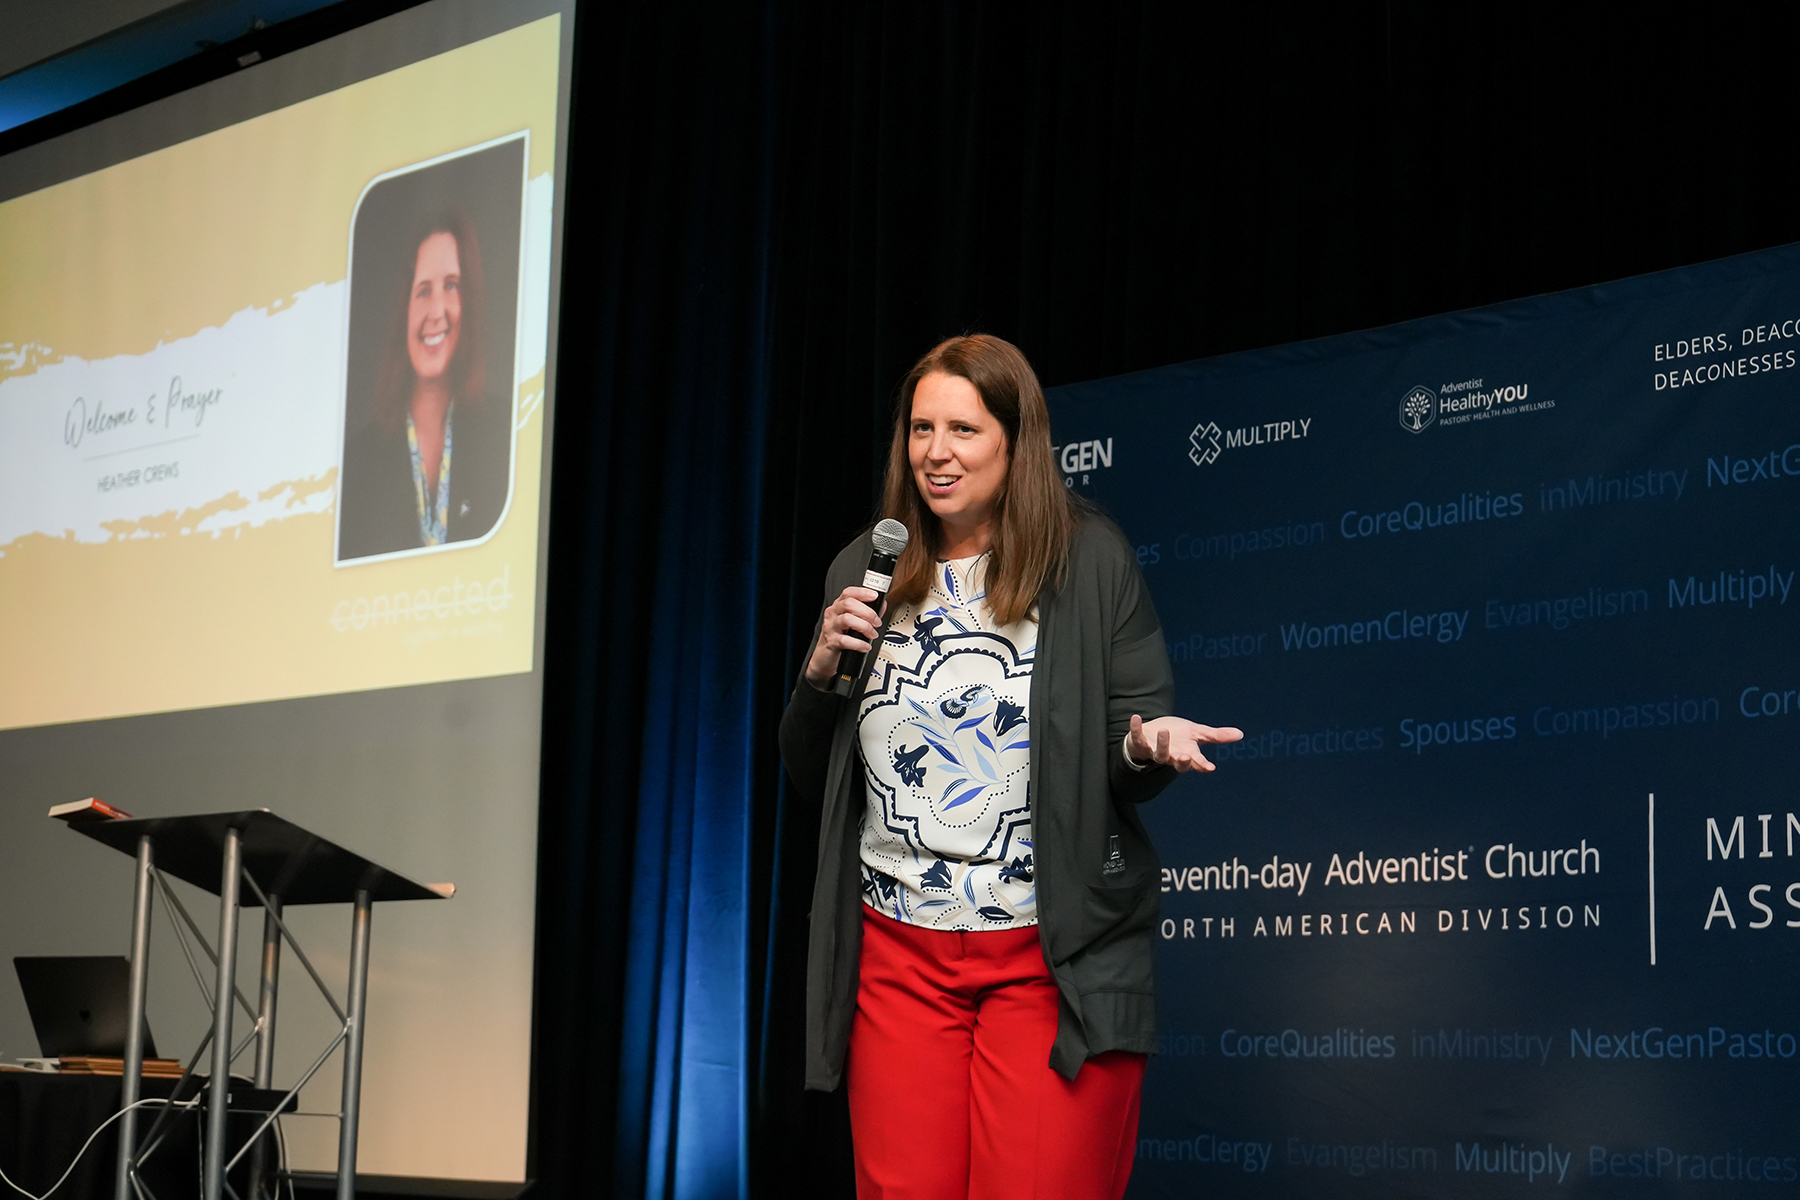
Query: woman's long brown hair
[1035, 518]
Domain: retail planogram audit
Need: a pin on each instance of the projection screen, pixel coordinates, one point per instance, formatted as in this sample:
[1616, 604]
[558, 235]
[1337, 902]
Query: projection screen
[223, 584]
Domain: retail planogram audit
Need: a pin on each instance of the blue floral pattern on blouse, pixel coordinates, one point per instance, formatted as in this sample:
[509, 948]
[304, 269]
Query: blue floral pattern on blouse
[946, 741]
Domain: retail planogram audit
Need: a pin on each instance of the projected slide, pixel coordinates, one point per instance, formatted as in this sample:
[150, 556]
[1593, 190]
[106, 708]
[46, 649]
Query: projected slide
[270, 407]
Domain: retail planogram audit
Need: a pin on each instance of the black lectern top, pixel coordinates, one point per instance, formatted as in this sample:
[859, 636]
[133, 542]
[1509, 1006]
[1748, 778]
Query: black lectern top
[284, 859]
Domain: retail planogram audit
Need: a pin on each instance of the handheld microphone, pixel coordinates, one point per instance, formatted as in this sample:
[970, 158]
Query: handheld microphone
[890, 539]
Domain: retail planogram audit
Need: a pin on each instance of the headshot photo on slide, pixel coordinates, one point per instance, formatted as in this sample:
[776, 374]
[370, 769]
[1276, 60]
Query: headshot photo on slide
[430, 348]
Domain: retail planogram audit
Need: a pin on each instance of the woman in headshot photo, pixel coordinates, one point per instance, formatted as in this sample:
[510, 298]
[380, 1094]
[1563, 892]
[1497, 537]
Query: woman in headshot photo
[428, 456]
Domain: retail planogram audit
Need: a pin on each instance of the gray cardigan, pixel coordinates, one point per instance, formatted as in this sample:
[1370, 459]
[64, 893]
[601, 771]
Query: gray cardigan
[1100, 658]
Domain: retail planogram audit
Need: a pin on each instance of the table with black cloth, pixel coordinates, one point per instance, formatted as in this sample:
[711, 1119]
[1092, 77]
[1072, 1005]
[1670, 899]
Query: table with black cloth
[45, 1118]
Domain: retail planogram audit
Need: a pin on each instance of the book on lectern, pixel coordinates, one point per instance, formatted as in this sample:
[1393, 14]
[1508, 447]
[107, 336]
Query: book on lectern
[76, 812]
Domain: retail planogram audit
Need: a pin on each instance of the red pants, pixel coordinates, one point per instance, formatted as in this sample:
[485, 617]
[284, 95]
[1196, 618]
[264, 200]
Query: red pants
[951, 1092]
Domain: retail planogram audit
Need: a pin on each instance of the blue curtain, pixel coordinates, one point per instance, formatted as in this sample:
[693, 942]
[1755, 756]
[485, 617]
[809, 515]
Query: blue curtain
[683, 1084]
[646, 978]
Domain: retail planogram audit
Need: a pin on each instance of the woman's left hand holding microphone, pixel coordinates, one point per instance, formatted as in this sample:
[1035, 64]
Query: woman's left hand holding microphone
[850, 623]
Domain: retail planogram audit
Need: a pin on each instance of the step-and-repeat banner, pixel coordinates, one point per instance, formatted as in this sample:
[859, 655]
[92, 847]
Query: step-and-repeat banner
[1499, 893]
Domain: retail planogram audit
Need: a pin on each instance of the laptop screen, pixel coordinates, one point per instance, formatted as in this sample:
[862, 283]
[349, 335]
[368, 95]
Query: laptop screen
[80, 1004]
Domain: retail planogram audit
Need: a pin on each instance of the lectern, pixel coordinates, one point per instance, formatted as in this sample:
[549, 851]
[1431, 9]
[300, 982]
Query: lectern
[283, 865]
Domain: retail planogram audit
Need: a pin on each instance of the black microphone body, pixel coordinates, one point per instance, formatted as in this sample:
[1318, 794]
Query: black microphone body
[890, 538]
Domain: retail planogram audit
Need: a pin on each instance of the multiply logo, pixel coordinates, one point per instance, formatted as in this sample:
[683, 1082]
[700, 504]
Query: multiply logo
[1208, 441]
[1205, 443]
[1418, 409]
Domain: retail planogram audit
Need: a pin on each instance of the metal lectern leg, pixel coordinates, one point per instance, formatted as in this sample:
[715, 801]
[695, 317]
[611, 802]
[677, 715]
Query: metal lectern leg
[353, 1045]
[134, 1035]
[213, 1178]
[265, 1034]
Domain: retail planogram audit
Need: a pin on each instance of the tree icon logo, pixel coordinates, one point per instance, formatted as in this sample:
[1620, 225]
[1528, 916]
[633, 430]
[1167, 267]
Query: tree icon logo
[1418, 409]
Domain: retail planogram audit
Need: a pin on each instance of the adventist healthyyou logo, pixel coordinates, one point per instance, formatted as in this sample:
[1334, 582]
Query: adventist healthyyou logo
[1418, 409]
[1460, 403]
[1208, 441]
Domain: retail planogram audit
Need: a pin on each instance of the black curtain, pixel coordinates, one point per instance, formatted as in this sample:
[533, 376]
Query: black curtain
[661, 400]
[774, 209]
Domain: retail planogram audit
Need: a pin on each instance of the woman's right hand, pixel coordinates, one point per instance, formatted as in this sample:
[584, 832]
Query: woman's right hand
[850, 623]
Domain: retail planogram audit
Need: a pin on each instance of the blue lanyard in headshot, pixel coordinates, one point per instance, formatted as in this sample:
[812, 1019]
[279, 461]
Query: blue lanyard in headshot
[434, 519]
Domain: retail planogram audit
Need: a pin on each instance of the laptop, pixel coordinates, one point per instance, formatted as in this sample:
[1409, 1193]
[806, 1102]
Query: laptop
[80, 1004]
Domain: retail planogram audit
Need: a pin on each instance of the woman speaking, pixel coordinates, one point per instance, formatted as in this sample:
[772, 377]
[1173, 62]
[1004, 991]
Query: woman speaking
[983, 924]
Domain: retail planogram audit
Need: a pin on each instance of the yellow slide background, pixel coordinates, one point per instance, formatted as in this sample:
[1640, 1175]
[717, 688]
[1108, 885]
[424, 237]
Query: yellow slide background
[163, 617]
